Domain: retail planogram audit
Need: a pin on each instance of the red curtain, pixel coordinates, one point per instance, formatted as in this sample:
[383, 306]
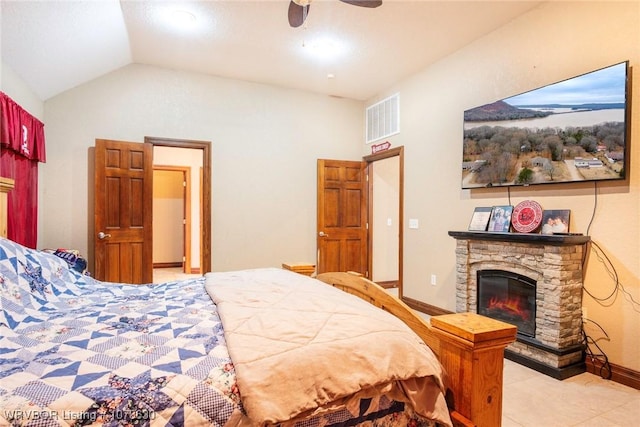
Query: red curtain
[21, 148]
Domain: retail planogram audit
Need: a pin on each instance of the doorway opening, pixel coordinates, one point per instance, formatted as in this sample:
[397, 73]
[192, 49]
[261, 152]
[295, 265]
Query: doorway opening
[172, 218]
[386, 213]
[200, 200]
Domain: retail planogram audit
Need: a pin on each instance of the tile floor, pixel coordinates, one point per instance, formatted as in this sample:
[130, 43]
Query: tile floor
[532, 399]
[162, 275]
[586, 400]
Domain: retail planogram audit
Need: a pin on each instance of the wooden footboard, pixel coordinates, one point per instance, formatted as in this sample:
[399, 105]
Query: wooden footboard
[469, 346]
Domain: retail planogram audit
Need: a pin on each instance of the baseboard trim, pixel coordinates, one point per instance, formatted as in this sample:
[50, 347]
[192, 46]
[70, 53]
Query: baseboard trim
[388, 284]
[167, 264]
[619, 374]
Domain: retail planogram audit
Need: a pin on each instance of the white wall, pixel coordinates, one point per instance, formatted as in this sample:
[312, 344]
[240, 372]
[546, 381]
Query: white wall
[553, 42]
[20, 92]
[265, 142]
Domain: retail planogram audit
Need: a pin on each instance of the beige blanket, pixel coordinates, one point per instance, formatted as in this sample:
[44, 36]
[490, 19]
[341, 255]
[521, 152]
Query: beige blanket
[298, 344]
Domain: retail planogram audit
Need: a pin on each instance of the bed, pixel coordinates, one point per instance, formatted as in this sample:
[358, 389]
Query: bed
[244, 348]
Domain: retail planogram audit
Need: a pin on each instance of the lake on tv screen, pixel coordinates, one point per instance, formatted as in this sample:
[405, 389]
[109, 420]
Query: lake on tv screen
[560, 118]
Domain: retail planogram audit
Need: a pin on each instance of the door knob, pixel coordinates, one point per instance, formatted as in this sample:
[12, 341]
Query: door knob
[102, 235]
[323, 234]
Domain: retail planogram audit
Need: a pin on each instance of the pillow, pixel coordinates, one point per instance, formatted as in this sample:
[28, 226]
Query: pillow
[73, 259]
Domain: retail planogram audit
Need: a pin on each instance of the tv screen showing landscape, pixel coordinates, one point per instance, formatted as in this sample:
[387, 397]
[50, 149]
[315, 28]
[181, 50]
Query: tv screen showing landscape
[570, 131]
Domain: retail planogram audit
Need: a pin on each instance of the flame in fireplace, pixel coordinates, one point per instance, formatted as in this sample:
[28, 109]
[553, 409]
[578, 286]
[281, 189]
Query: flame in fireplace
[511, 306]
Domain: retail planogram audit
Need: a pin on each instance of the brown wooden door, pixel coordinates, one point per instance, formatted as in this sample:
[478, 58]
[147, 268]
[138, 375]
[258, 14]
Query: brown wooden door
[342, 216]
[123, 211]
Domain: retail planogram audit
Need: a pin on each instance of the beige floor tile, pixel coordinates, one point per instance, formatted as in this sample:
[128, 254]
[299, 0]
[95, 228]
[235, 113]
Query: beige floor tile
[625, 415]
[508, 422]
[162, 275]
[586, 400]
[514, 372]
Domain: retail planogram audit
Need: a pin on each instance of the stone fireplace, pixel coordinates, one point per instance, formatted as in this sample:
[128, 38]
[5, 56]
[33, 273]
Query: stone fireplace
[533, 281]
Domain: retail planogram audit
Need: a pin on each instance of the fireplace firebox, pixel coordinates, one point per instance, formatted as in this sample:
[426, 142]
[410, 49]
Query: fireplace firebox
[509, 297]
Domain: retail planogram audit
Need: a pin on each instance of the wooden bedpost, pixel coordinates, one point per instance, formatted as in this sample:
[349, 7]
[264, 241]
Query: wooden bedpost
[472, 353]
[6, 185]
[469, 346]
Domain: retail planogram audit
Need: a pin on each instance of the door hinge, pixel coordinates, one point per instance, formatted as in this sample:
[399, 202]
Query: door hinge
[367, 226]
[184, 183]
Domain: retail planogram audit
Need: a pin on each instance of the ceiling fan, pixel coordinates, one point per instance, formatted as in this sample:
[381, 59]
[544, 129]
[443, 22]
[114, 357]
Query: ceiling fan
[299, 9]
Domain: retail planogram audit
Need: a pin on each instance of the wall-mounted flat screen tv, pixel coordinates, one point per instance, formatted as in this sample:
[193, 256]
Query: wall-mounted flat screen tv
[574, 130]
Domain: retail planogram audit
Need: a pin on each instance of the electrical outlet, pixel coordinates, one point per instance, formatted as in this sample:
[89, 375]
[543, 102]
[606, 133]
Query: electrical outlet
[433, 279]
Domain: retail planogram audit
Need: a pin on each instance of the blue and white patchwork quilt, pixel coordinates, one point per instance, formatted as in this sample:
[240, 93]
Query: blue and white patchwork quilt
[76, 351]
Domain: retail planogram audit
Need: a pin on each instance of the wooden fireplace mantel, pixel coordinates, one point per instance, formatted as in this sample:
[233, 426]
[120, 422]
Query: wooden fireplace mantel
[533, 238]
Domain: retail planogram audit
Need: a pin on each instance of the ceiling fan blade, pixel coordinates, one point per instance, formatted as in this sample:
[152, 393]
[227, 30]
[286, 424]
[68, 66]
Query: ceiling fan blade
[363, 3]
[297, 14]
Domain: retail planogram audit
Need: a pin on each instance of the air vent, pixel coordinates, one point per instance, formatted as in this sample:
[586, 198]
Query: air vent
[383, 118]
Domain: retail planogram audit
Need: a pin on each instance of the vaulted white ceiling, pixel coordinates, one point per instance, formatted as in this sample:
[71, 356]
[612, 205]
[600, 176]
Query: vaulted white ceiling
[342, 50]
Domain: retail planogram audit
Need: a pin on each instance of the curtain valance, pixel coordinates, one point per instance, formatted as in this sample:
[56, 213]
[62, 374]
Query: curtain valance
[21, 148]
[20, 131]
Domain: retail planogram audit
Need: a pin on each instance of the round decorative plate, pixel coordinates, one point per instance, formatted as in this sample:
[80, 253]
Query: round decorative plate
[527, 216]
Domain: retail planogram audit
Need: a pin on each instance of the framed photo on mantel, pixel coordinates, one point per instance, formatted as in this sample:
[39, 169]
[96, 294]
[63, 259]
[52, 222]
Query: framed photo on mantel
[555, 221]
[500, 221]
[480, 219]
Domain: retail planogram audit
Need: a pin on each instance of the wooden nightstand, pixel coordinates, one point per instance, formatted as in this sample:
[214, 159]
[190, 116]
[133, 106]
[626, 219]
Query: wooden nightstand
[300, 267]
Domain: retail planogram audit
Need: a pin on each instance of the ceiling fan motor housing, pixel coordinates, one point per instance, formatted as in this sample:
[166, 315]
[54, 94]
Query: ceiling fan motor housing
[298, 9]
